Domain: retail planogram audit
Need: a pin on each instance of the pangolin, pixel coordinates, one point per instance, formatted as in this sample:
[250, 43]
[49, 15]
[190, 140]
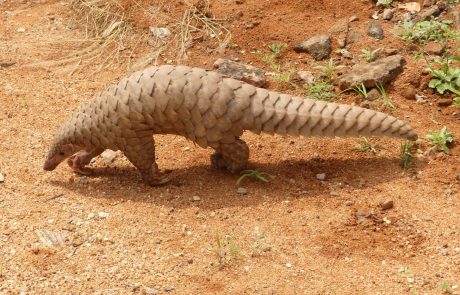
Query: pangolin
[207, 108]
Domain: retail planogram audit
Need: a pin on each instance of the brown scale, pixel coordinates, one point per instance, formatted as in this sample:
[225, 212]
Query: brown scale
[207, 108]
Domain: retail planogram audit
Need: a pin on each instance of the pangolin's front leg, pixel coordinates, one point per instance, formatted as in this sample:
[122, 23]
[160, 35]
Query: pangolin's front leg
[231, 156]
[79, 160]
[142, 155]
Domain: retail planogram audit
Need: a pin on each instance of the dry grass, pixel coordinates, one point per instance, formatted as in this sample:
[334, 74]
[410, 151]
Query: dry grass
[197, 23]
[105, 31]
[108, 34]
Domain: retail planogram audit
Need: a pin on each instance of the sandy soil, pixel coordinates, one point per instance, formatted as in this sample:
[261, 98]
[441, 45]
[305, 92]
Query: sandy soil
[198, 235]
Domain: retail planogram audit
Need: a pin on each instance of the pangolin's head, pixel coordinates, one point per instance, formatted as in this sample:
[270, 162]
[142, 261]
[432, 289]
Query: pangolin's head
[57, 154]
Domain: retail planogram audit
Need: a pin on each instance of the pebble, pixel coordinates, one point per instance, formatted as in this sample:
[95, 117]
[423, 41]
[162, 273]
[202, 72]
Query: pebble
[457, 176]
[90, 216]
[373, 94]
[349, 203]
[375, 30]
[150, 291]
[2, 178]
[388, 204]
[169, 289]
[84, 180]
[242, 191]
[444, 102]
[388, 14]
[21, 30]
[160, 32]
[433, 48]
[288, 265]
[409, 92]
[103, 215]
[321, 176]
[196, 198]
[108, 156]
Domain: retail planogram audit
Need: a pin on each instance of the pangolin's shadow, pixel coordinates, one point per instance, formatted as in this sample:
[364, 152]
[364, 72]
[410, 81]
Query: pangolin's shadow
[218, 189]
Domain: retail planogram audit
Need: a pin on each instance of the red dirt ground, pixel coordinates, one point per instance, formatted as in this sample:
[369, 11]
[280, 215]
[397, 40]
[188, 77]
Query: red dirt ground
[294, 235]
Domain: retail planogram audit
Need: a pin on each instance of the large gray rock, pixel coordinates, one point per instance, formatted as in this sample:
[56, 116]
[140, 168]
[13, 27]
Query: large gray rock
[239, 71]
[382, 70]
[319, 47]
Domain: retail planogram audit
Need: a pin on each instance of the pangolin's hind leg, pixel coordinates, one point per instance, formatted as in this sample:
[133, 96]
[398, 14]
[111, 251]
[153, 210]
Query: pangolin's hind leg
[231, 156]
[142, 155]
[80, 159]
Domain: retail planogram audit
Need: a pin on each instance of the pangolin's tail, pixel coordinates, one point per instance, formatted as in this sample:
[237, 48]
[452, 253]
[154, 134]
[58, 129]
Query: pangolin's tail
[285, 114]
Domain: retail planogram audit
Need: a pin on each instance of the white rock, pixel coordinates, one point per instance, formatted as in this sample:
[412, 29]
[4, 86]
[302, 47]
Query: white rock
[160, 32]
[108, 156]
[21, 30]
[103, 215]
[2, 178]
[321, 176]
[196, 198]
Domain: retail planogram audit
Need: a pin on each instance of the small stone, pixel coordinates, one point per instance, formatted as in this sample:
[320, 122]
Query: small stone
[242, 191]
[288, 265]
[160, 32]
[457, 176]
[239, 71]
[318, 46]
[21, 30]
[409, 92]
[444, 252]
[84, 180]
[375, 30]
[349, 203]
[90, 216]
[103, 215]
[373, 94]
[108, 156]
[410, 280]
[169, 289]
[190, 260]
[387, 205]
[196, 198]
[444, 102]
[433, 48]
[388, 13]
[321, 176]
[307, 77]
[2, 178]
[360, 215]
[150, 291]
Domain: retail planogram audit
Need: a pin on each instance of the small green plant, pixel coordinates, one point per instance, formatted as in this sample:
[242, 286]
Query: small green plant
[276, 49]
[365, 145]
[275, 53]
[456, 102]
[441, 139]
[384, 94]
[361, 90]
[406, 154]
[424, 31]
[384, 2]
[261, 176]
[328, 72]
[370, 55]
[445, 288]
[447, 77]
[226, 250]
[321, 90]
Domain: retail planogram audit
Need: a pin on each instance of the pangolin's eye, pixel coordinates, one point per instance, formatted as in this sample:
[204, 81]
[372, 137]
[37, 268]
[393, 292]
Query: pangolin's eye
[61, 153]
